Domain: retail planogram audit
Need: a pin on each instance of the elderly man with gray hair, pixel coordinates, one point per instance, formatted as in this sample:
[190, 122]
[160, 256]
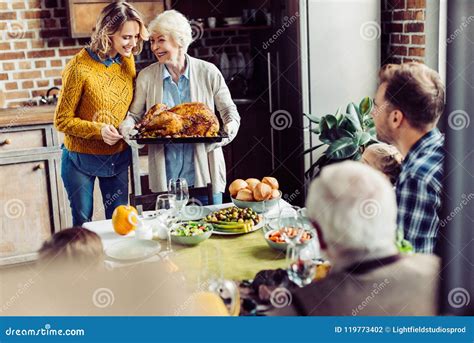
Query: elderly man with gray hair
[354, 210]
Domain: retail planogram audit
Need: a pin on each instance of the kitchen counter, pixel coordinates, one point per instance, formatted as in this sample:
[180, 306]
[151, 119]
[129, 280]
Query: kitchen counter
[27, 115]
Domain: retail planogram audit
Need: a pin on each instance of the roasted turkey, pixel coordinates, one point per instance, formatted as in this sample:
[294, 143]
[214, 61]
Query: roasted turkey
[193, 119]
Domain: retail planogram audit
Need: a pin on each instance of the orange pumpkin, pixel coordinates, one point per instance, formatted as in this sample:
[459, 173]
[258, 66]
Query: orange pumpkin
[125, 219]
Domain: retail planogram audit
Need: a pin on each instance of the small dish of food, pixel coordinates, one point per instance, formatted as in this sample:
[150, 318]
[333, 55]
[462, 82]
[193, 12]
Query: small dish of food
[276, 238]
[191, 233]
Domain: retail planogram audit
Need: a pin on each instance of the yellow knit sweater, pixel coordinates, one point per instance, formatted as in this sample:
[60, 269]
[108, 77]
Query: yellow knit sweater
[92, 96]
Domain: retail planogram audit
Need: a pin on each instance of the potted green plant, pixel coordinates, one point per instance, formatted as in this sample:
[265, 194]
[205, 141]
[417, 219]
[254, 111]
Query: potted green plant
[345, 135]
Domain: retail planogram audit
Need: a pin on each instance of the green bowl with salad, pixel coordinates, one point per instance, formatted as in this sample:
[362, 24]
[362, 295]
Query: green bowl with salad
[191, 233]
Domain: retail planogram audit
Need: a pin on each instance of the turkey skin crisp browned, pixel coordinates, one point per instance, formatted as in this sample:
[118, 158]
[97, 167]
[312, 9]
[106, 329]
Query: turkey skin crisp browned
[192, 119]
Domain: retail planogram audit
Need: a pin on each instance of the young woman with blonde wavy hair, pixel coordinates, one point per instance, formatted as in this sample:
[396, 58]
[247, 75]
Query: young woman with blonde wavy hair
[97, 89]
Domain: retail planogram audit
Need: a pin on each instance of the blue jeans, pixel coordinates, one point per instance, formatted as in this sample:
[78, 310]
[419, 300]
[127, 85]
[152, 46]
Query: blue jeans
[80, 190]
[216, 197]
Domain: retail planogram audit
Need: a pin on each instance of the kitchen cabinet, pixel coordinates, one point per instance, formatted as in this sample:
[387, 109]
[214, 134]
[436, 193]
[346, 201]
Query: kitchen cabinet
[249, 154]
[82, 14]
[30, 189]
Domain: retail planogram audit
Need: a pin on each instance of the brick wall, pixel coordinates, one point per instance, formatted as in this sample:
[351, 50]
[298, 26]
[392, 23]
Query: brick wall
[35, 47]
[403, 30]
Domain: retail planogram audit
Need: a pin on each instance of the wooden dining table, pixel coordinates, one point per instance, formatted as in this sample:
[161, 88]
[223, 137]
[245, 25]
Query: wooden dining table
[239, 257]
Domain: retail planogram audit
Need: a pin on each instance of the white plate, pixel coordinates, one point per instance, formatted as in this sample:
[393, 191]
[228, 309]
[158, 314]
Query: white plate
[224, 65]
[133, 249]
[233, 69]
[241, 64]
[255, 228]
[194, 213]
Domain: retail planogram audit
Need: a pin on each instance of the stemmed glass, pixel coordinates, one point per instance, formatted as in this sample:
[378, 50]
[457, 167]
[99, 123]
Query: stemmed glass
[179, 187]
[211, 279]
[291, 224]
[166, 213]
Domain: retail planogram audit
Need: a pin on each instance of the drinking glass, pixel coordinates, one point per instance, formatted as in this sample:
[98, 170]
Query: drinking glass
[291, 224]
[179, 187]
[301, 266]
[166, 213]
[211, 279]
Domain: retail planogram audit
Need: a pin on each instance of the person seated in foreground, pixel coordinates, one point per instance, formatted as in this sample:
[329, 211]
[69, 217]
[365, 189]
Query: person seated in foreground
[385, 158]
[355, 218]
[69, 280]
[76, 246]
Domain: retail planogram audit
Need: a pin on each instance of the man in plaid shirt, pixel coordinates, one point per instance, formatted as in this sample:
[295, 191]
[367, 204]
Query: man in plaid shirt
[407, 107]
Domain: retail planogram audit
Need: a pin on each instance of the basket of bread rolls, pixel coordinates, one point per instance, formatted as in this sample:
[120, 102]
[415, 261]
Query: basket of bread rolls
[259, 195]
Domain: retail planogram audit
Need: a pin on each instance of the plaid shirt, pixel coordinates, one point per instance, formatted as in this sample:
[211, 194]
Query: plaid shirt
[418, 192]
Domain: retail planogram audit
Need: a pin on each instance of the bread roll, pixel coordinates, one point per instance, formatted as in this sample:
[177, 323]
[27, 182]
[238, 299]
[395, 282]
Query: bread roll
[252, 183]
[275, 194]
[271, 181]
[262, 191]
[236, 186]
[245, 195]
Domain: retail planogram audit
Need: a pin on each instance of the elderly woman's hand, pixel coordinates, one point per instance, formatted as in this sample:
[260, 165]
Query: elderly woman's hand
[110, 135]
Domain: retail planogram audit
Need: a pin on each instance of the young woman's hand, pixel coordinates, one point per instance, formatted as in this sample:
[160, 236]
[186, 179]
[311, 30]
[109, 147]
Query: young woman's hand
[110, 135]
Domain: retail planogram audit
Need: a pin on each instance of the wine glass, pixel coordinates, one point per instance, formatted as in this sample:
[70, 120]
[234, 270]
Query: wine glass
[211, 279]
[291, 224]
[301, 265]
[179, 187]
[166, 210]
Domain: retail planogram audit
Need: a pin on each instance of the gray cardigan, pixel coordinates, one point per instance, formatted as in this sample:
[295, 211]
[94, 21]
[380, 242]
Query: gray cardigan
[207, 86]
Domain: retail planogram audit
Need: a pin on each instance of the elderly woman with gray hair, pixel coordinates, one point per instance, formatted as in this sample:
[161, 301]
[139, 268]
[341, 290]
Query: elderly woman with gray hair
[178, 78]
[355, 218]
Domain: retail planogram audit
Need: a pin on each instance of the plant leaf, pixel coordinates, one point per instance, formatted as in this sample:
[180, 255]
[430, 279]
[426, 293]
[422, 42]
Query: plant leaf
[357, 156]
[348, 125]
[353, 115]
[365, 106]
[331, 121]
[316, 130]
[362, 138]
[342, 148]
[313, 148]
[323, 126]
[312, 118]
